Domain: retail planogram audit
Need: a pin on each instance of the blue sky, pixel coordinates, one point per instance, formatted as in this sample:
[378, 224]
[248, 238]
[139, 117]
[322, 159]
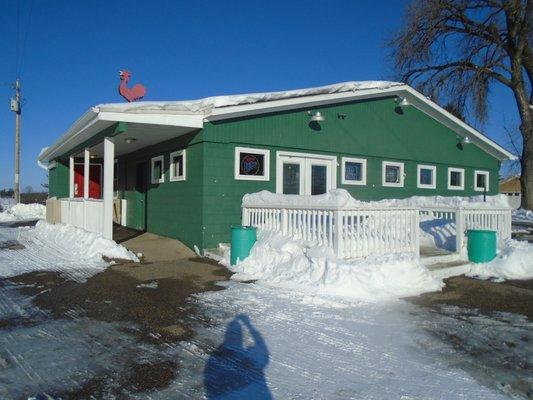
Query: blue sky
[185, 50]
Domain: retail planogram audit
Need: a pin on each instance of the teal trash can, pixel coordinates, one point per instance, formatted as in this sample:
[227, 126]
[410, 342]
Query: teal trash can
[481, 245]
[242, 240]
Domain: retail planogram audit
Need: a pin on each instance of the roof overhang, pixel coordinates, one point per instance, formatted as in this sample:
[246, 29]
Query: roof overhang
[95, 121]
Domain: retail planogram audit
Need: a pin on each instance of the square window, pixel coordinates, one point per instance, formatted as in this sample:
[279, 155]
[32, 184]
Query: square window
[353, 171]
[177, 165]
[392, 174]
[481, 181]
[252, 164]
[158, 174]
[456, 179]
[427, 177]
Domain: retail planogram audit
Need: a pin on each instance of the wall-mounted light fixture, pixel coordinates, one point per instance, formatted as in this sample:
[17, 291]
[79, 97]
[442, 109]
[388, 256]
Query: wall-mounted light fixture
[402, 102]
[130, 140]
[316, 116]
[465, 140]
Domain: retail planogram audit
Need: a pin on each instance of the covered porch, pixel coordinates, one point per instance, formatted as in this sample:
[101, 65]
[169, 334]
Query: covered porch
[93, 147]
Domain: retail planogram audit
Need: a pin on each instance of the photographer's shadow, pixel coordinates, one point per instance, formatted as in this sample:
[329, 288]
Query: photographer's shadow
[234, 371]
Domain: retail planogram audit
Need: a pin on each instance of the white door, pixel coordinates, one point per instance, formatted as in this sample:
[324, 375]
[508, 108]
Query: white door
[305, 174]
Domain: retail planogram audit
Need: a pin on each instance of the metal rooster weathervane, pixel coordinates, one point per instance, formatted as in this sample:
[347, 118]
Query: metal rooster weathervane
[136, 93]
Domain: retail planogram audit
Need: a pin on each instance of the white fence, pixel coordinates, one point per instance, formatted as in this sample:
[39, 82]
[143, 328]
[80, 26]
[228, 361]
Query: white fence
[359, 232]
[494, 219]
[83, 213]
[350, 232]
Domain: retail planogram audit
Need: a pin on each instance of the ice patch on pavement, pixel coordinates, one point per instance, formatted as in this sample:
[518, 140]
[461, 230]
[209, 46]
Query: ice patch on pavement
[71, 251]
[21, 211]
[515, 261]
[279, 261]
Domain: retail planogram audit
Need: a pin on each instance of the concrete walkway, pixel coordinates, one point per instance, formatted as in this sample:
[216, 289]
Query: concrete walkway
[163, 258]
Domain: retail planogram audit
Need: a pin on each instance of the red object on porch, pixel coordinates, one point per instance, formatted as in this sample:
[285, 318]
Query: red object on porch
[135, 93]
[95, 181]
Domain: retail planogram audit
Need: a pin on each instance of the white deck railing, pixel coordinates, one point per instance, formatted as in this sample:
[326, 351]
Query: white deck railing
[350, 232]
[87, 214]
[495, 219]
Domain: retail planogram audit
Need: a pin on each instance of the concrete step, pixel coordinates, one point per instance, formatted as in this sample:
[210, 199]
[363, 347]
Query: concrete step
[445, 270]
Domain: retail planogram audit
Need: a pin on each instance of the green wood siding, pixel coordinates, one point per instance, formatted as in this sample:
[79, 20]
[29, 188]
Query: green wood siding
[173, 209]
[58, 180]
[372, 129]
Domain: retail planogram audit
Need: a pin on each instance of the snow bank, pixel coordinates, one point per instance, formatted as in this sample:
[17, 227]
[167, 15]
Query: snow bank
[342, 198]
[205, 105]
[279, 261]
[437, 232]
[23, 211]
[66, 249]
[523, 215]
[515, 261]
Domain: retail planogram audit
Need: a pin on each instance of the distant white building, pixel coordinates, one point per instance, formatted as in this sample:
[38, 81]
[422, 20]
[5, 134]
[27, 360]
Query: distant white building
[511, 187]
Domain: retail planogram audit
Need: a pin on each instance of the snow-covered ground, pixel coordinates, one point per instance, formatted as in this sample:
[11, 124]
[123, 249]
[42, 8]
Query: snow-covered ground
[66, 249]
[316, 347]
[258, 340]
[18, 212]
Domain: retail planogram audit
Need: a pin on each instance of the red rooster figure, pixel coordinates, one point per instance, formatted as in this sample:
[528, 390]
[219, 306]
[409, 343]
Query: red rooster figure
[136, 93]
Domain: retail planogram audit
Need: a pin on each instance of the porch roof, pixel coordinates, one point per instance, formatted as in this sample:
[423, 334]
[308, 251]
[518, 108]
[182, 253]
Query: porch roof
[184, 116]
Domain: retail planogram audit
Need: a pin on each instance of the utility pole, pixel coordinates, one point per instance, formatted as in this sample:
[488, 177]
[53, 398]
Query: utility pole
[16, 108]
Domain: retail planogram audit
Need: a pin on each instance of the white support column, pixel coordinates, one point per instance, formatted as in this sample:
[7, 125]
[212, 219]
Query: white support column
[86, 172]
[71, 177]
[109, 160]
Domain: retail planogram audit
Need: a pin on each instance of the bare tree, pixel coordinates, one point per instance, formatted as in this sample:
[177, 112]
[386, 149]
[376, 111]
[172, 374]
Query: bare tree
[455, 50]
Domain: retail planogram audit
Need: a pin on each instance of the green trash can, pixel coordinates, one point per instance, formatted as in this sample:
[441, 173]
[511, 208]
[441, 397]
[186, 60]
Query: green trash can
[481, 245]
[242, 240]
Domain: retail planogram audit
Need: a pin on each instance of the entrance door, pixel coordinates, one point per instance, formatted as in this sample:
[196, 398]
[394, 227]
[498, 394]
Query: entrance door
[140, 196]
[95, 180]
[305, 174]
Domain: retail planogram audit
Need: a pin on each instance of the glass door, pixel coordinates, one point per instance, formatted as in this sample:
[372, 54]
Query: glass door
[304, 175]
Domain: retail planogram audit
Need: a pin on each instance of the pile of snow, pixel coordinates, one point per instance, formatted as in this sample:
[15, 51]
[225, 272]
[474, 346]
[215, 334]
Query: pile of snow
[6, 203]
[342, 198]
[23, 212]
[515, 261]
[523, 215]
[62, 248]
[279, 261]
[204, 106]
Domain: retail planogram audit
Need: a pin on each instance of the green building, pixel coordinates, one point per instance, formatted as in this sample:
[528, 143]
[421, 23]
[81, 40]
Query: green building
[180, 169]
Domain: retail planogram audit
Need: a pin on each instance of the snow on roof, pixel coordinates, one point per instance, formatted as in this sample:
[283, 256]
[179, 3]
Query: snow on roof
[204, 106]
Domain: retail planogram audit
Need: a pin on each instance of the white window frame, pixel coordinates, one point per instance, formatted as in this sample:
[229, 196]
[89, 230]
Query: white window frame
[345, 181]
[266, 167]
[462, 171]
[154, 160]
[487, 175]
[419, 169]
[384, 166]
[176, 178]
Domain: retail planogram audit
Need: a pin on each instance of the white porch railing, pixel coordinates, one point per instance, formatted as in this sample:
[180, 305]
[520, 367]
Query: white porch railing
[350, 232]
[494, 219]
[87, 214]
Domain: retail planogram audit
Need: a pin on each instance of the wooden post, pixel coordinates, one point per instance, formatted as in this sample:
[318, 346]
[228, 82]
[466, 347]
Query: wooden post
[338, 239]
[86, 172]
[71, 177]
[459, 231]
[109, 161]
